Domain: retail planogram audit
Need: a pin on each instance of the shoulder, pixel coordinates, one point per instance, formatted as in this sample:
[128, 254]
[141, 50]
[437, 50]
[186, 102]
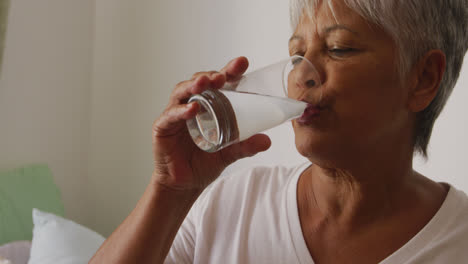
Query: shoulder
[455, 212]
[243, 190]
[452, 220]
[260, 178]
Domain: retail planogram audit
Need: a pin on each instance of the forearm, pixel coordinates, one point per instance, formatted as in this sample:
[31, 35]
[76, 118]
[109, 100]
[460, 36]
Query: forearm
[146, 235]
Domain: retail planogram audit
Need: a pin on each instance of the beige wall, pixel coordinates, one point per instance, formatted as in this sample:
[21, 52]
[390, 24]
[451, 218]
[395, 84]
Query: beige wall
[45, 93]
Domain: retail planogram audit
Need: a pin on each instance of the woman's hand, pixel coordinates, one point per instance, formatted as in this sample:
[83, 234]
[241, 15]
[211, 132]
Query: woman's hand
[178, 163]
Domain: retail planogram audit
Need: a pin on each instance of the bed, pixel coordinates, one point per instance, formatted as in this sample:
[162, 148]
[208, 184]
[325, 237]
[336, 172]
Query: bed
[33, 229]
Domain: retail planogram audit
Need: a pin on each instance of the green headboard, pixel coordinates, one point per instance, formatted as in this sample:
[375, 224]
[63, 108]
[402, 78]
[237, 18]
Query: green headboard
[21, 190]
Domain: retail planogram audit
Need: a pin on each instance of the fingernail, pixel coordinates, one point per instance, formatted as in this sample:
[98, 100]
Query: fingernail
[203, 80]
[214, 75]
[190, 105]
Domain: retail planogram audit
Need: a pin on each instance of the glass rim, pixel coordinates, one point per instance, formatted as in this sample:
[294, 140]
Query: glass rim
[286, 73]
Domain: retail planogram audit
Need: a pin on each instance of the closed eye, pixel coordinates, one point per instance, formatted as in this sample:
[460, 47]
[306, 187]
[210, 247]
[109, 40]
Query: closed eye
[296, 60]
[340, 52]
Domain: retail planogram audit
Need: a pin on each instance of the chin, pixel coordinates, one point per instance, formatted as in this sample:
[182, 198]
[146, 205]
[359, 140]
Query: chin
[317, 146]
[320, 154]
[310, 144]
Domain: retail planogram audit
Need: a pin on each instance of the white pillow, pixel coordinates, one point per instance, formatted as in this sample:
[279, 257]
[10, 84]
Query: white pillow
[60, 241]
[4, 261]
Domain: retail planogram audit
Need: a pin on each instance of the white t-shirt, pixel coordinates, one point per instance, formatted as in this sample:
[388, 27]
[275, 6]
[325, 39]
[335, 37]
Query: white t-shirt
[253, 218]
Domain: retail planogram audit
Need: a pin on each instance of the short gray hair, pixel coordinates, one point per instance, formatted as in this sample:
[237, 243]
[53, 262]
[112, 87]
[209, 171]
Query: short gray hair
[416, 26]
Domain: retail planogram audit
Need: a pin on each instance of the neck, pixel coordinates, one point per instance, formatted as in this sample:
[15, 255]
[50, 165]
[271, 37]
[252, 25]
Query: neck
[359, 194]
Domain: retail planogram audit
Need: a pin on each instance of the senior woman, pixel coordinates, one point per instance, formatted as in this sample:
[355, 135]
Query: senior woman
[387, 68]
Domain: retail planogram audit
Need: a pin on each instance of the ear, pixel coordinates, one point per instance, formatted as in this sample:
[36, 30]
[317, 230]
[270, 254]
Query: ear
[427, 76]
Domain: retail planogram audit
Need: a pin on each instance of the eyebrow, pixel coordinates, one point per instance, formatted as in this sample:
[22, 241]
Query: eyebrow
[296, 37]
[327, 30]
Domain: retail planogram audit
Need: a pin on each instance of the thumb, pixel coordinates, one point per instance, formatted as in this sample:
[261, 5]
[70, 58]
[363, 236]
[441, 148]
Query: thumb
[247, 148]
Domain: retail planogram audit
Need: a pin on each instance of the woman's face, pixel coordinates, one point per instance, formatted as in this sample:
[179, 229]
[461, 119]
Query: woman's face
[363, 105]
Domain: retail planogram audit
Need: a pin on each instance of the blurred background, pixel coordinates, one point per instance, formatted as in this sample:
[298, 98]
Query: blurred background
[82, 82]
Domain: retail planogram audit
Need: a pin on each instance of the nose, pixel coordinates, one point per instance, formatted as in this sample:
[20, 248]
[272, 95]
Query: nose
[303, 74]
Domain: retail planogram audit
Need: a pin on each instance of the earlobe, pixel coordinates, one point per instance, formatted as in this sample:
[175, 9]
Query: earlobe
[429, 72]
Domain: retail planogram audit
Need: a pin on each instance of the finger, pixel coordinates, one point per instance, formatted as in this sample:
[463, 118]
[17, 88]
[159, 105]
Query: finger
[246, 148]
[173, 119]
[207, 73]
[211, 79]
[185, 89]
[235, 68]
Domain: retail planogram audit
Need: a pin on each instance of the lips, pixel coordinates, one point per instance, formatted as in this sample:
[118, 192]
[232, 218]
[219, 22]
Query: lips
[310, 114]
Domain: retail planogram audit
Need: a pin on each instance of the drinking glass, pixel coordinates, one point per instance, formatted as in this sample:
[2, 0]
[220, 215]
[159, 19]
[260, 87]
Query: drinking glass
[257, 102]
